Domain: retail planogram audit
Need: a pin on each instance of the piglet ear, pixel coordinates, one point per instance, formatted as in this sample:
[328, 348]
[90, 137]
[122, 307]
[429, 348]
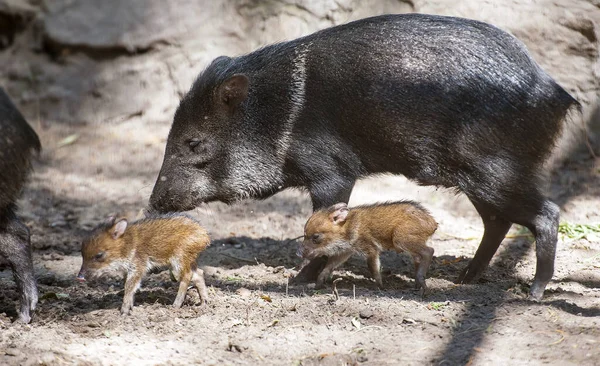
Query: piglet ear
[234, 90]
[338, 213]
[118, 229]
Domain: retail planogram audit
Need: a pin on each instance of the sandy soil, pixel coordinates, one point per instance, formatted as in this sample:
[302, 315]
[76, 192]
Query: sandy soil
[103, 114]
[254, 316]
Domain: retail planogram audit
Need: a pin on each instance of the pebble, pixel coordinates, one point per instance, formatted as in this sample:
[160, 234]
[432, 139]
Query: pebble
[243, 292]
[366, 313]
[13, 352]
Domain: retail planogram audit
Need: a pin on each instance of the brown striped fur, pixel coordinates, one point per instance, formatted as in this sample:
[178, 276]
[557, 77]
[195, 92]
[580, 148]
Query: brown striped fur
[172, 241]
[338, 232]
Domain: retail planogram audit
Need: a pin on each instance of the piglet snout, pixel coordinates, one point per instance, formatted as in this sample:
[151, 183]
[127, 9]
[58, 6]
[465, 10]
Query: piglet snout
[300, 251]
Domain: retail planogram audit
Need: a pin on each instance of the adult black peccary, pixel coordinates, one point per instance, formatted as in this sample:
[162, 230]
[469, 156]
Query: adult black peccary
[445, 101]
[18, 141]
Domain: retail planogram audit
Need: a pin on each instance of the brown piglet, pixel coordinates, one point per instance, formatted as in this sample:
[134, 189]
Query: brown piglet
[166, 241]
[338, 232]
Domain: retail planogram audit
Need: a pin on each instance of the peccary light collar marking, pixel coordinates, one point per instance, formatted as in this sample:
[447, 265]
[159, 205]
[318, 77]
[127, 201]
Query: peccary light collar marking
[297, 91]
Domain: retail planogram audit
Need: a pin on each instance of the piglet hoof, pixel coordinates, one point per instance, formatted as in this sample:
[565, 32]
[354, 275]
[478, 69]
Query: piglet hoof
[125, 310]
[204, 299]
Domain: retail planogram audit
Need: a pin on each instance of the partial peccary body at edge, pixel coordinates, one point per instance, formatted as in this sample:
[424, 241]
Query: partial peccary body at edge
[18, 144]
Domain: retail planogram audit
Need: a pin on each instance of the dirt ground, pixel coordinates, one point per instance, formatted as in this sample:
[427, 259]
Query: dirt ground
[254, 316]
[103, 114]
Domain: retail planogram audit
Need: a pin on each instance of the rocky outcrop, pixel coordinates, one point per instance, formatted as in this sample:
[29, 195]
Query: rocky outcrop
[107, 61]
[14, 15]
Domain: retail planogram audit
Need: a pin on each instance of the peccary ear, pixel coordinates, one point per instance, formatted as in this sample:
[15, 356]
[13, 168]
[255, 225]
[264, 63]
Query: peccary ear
[234, 90]
[118, 229]
[338, 213]
[110, 220]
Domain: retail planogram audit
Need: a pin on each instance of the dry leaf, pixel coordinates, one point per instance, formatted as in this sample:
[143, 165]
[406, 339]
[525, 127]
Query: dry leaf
[67, 140]
[356, 323]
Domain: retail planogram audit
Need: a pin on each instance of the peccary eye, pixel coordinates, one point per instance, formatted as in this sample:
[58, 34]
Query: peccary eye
[201, 165]
[100, 256]
[316, 238]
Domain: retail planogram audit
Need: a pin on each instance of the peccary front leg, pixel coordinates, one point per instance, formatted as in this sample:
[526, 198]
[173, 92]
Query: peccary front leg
[324, 194]
[331, 191]
[16, 248]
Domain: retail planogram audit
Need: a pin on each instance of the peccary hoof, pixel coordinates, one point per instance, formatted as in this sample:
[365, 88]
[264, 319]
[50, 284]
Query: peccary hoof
[310, 271]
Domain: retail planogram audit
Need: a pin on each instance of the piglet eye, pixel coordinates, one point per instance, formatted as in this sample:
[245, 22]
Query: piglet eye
[100, 256]
[316, 238]
[194, 143]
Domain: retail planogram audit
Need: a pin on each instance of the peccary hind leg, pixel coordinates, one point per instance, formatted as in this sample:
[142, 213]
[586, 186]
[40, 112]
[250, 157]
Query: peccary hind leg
[540, 216]
[495, 229]
[545, 228]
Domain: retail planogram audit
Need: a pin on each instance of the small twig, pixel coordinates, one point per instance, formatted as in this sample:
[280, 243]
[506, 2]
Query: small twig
[291, 240]
[335, 290]
[562, 337]
[512, 236]
[353, 291]
[239, 259]
[472, 330]
[460, 237]
[368, 327]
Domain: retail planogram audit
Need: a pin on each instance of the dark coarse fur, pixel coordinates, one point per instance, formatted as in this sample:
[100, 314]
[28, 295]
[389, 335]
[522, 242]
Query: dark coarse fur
[18, 141]
[444, 101]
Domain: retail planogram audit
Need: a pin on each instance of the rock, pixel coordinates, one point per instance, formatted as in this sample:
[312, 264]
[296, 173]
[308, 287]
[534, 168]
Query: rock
[232, 240]
[13, 352]
[14, 14]
[126, 26]
[95, 84]
[366, 314]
